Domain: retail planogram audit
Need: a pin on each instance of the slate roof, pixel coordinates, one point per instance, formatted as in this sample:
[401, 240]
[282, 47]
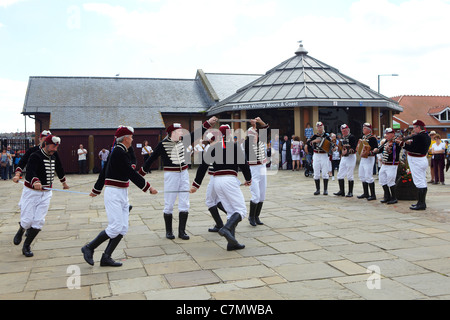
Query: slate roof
[303, 81]
[104, 103]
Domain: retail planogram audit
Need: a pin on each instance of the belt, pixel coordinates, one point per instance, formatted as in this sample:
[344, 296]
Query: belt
[319, 151]
[257, 163]
[225, 173]
[416, 155]
[390, 164]
[116, 183]
[176, 169]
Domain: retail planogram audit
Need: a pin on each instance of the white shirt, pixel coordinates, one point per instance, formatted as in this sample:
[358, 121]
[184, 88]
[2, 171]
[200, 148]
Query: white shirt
[438, 147]
[199, 148]
[146, 150]
[82, 154]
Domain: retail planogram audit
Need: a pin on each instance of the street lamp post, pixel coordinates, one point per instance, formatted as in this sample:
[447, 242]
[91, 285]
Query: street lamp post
[385, 75]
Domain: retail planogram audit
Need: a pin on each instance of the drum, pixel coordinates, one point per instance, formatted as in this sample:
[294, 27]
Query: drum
[325, 145]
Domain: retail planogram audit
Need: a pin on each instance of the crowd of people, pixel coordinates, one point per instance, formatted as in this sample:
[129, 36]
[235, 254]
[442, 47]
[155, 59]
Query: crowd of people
[8, 162]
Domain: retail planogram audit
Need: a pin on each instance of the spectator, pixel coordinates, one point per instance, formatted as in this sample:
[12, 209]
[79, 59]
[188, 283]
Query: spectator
[309, 132]
[286, 156]
[296, 153]
[82, 159]
[10, 162]
[447, 155]
[335, 160]
[103, 155]
[17, 158]
[429, 156]
[275, 151]
[438, 159]
[4, 163]
[146, 150]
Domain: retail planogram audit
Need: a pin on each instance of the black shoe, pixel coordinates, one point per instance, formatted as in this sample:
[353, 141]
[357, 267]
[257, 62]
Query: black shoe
[421, 205]
[325, 187]
[350, 189]
[18, 237]
[372, 192]
[393, 195]
[88, 254]
[217, 219]
[258, 212]
[168, 223]
[387, 194]
[252, 213]
[317, 187]
[183, 216]
[365, 195]
[107, 261]
[26, 249]
[229, 228]
[341, 192]
[88, 249]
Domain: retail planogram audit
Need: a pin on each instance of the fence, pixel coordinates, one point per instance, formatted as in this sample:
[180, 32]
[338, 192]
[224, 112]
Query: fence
[17, 144]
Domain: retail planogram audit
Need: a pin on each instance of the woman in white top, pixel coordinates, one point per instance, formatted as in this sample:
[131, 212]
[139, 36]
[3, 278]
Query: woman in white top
[438, 158]
[295, 151]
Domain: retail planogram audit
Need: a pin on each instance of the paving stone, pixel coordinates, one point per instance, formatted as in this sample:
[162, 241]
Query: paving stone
[308, 248]
[191, 279]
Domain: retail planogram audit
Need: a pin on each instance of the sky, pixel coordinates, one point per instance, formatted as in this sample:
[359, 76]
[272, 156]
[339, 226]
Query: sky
[174, 38]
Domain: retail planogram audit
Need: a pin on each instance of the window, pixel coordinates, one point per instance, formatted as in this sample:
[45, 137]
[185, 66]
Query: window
[443, 116]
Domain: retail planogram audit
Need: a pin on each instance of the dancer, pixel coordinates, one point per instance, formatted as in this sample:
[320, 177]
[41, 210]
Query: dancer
[116, 178]
[227, 158]
[35, 200]
[176, 177]
[255, 153]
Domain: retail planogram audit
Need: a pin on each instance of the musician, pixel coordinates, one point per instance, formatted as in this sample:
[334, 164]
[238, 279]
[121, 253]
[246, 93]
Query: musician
[227, 158]
[35, 199]
[347, 165]
[115, 177]
[321, 161]
[367, 162]
[255, 154]
[176, 177]
[390, 151]
[417, 149]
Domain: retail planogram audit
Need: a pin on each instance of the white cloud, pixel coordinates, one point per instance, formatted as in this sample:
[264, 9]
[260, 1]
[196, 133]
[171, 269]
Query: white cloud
[377, 37]
[12, 95]
[182, 25]
[7, 3]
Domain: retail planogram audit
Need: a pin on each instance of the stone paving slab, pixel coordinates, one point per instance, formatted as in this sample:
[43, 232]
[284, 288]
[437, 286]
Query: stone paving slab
[310, 247]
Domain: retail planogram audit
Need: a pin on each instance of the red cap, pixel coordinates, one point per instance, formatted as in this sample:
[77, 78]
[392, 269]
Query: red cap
[173, 127]
[223, 129]
[344, 126]
[124, 131]
[419, 123]
[367, 125]
[44, 133]
[52, 140]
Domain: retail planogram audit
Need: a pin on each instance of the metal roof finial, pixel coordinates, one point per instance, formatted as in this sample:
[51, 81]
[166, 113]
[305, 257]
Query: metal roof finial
[301, 50]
